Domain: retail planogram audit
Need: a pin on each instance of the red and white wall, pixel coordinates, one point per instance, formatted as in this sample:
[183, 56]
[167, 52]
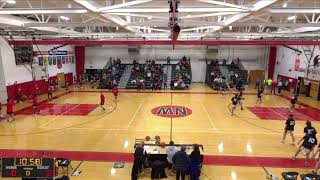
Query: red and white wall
[290, 64]
[53, 69]
[98, 56]
[11, 73]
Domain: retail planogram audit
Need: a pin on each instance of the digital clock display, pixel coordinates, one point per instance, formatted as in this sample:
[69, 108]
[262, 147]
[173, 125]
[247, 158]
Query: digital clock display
[27, 167]
[28, 162]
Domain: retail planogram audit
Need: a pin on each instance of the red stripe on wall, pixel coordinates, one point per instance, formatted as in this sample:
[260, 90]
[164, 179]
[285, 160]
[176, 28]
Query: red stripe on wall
[79, 52]
[272, 61]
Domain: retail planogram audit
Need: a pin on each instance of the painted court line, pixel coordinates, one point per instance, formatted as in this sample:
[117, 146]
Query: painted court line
[205, 110]
[135, 114]
[175, 131]
[48, 122]
[279, 114]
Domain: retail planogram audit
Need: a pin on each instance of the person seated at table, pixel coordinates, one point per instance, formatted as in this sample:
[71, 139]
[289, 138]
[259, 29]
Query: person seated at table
[181, 162]
[171, 150]
[139, 156]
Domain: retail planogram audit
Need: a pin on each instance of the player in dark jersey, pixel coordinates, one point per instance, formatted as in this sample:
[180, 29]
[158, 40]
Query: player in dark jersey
[234, 103]
[293, 101]
[317, 166]
[289, 129]
[240, 98]
[309, 142]
[309, 129]
[260, 95]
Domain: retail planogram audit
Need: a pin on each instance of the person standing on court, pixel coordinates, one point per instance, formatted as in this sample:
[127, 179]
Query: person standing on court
[257, 83]
[10, 105]
[115, 92]
[290, 123]
[181, 162]
[102, 99]
[171, 151]
[309, 129]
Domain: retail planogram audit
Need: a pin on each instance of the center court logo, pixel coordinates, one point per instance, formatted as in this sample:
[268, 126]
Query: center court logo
[171, 111]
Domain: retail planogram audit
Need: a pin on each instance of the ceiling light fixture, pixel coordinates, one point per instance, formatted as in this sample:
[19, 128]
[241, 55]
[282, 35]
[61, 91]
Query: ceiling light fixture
[11, 1]
[290, 18]
[285, 3]
[65, 18]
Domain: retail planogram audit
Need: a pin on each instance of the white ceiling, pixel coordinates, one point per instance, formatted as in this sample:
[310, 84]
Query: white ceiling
[148, 19]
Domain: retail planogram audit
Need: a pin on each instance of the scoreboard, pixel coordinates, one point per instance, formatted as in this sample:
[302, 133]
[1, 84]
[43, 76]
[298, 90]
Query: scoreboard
[27, 167]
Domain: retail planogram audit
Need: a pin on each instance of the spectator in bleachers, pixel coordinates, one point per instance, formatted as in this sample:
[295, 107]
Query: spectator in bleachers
[168, 60]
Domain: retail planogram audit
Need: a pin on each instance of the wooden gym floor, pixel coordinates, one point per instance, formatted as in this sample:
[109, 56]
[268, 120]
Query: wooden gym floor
[236, 147]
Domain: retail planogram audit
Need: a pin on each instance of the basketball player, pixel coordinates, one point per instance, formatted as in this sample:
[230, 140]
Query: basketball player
[50, 89]
[115, 92]
[318, 160]
[35, 104]
[289, 129]
[234, 102]
[309, 129]
[260, 95]
[1, 111]
[102, 99]
[309, 141]
[10, 105]
[293, 101]
[240, 98]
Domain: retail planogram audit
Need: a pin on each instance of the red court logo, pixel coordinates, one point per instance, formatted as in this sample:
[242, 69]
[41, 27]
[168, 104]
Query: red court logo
[171, 111]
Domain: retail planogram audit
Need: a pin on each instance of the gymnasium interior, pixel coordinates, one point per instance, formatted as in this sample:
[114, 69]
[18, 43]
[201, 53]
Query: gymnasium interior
[159, 89]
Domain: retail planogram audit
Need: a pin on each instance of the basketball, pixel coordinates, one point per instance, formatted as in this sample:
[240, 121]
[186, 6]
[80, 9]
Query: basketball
[147, 138]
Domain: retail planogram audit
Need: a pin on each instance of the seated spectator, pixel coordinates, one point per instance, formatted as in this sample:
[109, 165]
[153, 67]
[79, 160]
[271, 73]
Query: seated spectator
[178, 67]
[181, 162]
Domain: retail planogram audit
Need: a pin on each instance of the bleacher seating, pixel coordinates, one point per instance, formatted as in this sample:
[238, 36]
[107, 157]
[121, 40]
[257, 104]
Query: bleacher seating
[234, 69]
[184, 70]
[134, 77]
[212, 68]
[105, 82]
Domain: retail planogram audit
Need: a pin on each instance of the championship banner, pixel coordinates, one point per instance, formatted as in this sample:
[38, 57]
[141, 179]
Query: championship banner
[45, 60]
[59, 62]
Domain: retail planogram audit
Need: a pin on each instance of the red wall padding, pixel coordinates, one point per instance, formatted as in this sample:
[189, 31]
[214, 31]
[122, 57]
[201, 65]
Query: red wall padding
[79, 52]
[69, 78]
[272, 61]
[29, 88]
